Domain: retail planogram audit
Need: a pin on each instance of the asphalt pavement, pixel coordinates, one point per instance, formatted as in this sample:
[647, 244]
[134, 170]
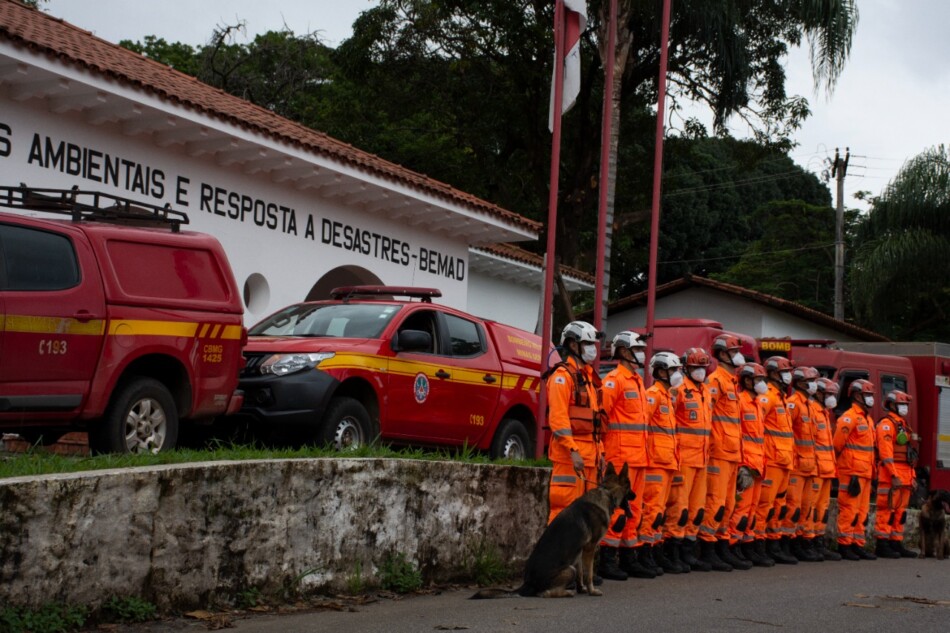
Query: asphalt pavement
[907, 595]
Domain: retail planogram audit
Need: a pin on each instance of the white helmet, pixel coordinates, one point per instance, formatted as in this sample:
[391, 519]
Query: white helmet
[625, 339]
[580, 331]
[665, 360]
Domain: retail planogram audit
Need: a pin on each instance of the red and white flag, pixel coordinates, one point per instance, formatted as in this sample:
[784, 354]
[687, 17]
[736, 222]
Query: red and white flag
[575, 21]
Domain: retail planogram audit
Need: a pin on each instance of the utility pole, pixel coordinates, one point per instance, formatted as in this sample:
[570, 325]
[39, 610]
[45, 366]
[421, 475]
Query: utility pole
[838, 170]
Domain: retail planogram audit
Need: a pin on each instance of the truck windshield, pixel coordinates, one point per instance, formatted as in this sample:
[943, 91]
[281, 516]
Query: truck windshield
[336, 320]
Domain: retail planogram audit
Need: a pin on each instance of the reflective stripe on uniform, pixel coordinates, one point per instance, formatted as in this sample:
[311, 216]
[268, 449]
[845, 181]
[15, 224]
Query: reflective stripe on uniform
[804, 442]
[779, 433]
[688, 431]
[727, 419]
[858, 447]
[657, 479]
[712, 470]
[824, 448]
[753, 440]
[564, 479]
[662, 429]
[563, 433]
[619, 426]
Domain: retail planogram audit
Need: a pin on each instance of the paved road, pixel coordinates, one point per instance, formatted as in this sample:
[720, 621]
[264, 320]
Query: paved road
[885, 595]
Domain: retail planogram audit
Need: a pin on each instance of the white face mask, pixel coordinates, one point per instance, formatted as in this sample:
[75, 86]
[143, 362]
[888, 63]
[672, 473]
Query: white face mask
[869, 401]
[902, 410]
[831, 402]
[588, 353]
[738, 359]
[698, 374]
[641, 357]
[786, 377]
[812, 388]
[761, 388]
[676, 378]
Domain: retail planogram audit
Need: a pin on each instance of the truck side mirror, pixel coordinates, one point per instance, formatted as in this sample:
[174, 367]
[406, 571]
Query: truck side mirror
[412, 341]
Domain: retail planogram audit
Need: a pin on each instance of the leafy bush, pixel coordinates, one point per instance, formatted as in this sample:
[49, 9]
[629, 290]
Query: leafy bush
[129, 609]
[50, 618]
[399, 575]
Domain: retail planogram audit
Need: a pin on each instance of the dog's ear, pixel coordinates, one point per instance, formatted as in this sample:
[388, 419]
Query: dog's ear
[624, 472]
[611, 471]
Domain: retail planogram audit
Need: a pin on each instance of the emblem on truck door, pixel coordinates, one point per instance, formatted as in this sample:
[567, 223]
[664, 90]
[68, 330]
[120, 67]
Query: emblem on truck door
[421, 388]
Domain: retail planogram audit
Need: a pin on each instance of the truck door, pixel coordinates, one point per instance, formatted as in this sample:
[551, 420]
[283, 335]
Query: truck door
[413, 399]
[54, 311]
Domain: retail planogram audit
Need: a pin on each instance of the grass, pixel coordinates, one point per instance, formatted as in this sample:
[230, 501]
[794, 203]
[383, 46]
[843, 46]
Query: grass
[129, 609]
[399, 575]
[38, 462]
[485, 564]
[50, 618]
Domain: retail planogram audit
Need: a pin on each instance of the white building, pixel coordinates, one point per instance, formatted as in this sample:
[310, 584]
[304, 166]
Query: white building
[297, 212]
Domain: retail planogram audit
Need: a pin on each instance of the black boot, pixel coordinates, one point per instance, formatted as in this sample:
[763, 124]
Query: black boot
[810, 545]
[883, 549]
[608, 566]
[645, 556]
[726, 555]
[822, 548]
[688, 556]
[785, 544]
[709, 555]
[660, 556]
[801, 550]
[739, 552]
[753, 556]
[774, 549]
[760, 545]
[674, 554]
[898, 546]
[847, 552]
[862, 553]
[633, 567]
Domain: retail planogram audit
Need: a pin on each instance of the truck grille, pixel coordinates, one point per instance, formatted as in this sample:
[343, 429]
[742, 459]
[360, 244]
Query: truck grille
[252, 365]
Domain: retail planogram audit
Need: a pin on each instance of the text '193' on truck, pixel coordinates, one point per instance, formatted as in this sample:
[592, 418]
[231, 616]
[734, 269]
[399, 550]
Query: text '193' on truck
[385, 362]
[113, 321]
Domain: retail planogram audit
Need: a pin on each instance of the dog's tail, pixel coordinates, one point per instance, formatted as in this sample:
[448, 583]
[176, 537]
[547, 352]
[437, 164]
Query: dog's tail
[497, 592]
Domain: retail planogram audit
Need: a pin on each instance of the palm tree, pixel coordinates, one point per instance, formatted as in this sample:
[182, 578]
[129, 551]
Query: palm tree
[900, 280]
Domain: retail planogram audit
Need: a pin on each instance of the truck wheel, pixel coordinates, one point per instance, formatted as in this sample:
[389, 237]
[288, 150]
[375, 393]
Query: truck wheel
[511, 441]
[141, 418]
[346, 425]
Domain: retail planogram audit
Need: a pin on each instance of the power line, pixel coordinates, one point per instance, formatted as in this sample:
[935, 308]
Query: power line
[733, 183]
[741, 255]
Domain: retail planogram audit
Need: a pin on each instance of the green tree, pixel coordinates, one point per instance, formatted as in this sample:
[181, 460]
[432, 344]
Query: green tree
[900, 280]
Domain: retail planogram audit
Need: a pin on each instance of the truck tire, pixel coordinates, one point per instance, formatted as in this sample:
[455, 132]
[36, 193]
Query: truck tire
[141, 418]
[346, 425]
[511, 441]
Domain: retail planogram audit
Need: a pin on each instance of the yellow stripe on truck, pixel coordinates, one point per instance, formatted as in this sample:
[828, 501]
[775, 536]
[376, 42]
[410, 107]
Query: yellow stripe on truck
[51, 325]
[153, 328]
[231, 332]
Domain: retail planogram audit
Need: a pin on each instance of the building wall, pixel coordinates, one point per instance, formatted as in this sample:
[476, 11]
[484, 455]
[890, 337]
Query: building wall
[504, 301]
[280, 238]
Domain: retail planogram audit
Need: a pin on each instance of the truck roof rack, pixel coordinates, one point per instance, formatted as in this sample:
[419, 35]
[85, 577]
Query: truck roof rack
[347, 292]
[93, 206]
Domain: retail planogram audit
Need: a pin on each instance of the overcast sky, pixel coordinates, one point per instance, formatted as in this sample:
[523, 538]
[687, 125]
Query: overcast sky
[891, 103]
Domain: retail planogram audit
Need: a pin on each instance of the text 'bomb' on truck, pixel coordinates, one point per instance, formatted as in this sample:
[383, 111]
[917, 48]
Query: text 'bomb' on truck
[114, 321]
[366, 365]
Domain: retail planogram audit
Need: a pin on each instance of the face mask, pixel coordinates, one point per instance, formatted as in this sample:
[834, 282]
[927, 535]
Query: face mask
[786, 377]
[699, 375]
[641, 358]
[812, 388]
[761, 388]
[588, 353]
[902, 410]
[738, 359]
[831, 402]
[676, 378]
[869, 401]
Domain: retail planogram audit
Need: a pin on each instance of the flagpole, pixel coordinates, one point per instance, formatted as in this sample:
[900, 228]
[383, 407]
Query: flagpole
[550, 260]
[600, 310]
[657, 180]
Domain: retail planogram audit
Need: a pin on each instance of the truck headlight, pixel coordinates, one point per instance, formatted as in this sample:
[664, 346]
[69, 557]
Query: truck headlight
[283, 364]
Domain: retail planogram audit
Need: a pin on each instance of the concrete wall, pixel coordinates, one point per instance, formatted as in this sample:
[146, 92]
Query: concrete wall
[185, 535]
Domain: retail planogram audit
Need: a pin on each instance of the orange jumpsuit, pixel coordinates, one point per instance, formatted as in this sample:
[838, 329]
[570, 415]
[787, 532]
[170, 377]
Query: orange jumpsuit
[684, 508]
[892, 500]
[573, 399]
[779, 457]
[664, 462]
[854, 446]
[725, 454]
[625, 442]
[804, 464]
[817, 519]
[742, 524]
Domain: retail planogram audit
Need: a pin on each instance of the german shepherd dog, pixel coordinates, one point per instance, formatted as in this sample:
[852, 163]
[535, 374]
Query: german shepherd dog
[565, 551]
[933, 525]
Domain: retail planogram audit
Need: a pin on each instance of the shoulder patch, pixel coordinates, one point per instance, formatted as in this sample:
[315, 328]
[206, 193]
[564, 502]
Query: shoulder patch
[651, 400]
[609, 384]
[885, 427]
[846, 419]
[791, 405]
[560, 380]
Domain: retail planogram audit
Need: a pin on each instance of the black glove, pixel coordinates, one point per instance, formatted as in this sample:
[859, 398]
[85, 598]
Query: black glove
[619, 523]
[854, 486]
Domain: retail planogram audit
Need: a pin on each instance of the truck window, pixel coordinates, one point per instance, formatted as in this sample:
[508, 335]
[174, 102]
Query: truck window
[35, 260]
[464, 336]
[330, 320]
[844, 383]
[890, 383]
[425, 321]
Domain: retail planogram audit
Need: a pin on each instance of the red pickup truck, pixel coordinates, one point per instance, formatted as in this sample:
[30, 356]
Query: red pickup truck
[366, 364]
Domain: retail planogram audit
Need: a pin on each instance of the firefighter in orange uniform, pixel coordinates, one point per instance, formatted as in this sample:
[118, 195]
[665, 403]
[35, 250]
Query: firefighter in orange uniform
[800, 496]
[664, 461]
[743, 527]
[725, 456]
[625, 442]
[895, 476]
[779, 455]
[825, 402]
[573, 407]
[686, 504]
[854, 448]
